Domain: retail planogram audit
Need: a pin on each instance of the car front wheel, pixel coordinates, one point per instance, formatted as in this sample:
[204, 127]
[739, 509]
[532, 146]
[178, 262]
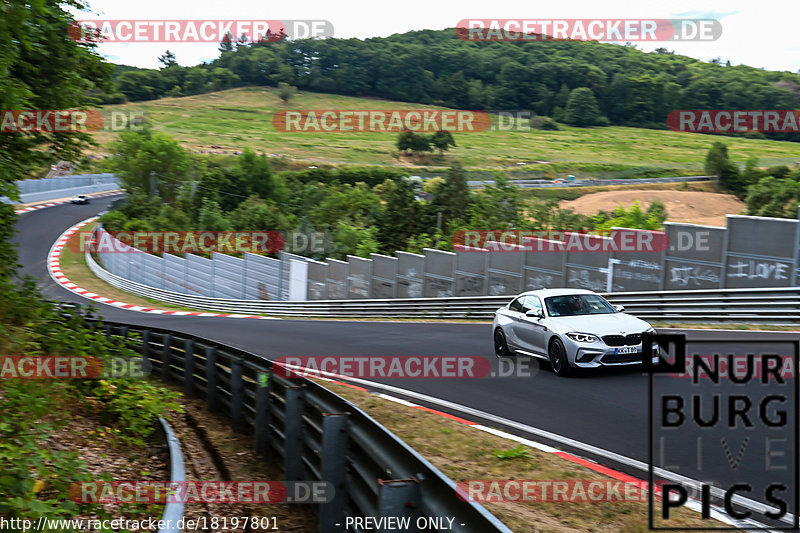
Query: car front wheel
[500, 345]
[558, 359]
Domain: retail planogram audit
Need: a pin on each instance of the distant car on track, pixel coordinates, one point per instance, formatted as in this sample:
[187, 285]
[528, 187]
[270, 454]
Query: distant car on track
[80, 199]
[570, 328]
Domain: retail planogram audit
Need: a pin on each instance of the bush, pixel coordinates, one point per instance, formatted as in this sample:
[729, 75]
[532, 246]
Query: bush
[779, 171]
[114, 98]
[135, 407]
[114, 221]
[36, 478]
[544, 123]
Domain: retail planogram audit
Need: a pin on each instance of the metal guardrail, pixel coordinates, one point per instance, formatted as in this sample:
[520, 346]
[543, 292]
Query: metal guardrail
[588, 182]
[767, 306]
[51, 188]
[316, 434]
[173, 510]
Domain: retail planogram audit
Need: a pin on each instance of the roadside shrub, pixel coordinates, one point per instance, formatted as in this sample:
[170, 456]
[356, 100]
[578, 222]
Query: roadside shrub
[544, 123]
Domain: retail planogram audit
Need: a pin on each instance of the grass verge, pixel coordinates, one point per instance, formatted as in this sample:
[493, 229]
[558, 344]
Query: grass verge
[73, 265]
[242, 118]
[464, 453]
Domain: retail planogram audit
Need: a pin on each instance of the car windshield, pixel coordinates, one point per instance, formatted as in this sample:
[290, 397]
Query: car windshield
[578, 304]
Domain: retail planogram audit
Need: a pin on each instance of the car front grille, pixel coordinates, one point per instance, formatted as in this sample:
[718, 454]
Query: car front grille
[611, 358]
[623, 340]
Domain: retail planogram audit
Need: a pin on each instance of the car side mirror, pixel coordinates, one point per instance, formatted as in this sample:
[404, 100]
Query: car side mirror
[534, 313]
[619, 308]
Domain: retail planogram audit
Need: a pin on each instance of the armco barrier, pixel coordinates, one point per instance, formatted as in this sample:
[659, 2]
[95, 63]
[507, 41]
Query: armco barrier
[768, 306]
[173, 510]
[46, 189]
[315, 434]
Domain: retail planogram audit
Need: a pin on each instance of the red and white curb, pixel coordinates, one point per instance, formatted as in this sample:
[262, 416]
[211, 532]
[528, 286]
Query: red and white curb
[53, 204]
[54, 268]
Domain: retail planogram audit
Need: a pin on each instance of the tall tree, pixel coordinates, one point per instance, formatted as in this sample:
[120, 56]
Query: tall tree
[718, 164]
[226, 45]
[399, 219]
[452, 197]
[41, 67]
[582, 109]
[442, 141]
[168, 59]
[150, 162]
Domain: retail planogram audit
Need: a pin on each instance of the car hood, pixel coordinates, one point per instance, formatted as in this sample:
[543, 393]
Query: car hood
[610, 324]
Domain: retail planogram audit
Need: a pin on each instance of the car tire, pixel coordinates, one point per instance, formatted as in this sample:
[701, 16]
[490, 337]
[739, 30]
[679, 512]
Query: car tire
[500, 344]
[558, 358]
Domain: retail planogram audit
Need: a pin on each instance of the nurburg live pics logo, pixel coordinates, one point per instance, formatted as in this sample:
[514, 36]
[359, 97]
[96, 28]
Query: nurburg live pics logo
[727, 435]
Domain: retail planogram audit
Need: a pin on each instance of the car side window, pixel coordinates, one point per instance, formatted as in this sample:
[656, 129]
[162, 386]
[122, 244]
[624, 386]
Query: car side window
[516, 305]
[533, 303]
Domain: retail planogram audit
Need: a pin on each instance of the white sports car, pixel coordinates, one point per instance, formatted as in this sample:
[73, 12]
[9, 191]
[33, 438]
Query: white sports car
[80, 199]
[571, 328]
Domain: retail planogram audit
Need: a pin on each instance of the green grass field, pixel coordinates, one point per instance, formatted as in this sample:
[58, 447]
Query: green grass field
[240, 118]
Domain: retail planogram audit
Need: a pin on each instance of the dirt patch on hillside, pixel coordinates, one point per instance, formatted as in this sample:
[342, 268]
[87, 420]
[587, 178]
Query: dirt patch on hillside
[682, 206]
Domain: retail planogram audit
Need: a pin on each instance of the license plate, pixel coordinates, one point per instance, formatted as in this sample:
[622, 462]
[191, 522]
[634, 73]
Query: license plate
[627, 349]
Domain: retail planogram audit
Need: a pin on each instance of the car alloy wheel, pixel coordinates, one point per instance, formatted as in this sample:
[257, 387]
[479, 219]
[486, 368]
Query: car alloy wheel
[558, 359]
[500, 345]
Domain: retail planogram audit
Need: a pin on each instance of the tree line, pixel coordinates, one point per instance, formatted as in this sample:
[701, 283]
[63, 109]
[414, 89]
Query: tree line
[768, 192]
[581, 83]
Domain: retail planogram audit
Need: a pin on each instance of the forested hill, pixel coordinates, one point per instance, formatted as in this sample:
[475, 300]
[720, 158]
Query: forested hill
[631, 87]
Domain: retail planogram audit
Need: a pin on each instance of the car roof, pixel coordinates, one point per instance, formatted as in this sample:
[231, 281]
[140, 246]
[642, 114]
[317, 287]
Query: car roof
[557, 292]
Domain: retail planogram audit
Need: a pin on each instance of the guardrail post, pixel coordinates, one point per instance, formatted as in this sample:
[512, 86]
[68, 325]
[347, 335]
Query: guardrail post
[237, 396]
[166, 357]
[212, 379]
[334, 463]
[146, 346]
[188, 366]
[293, 431]
[263, 411]
[398, 497]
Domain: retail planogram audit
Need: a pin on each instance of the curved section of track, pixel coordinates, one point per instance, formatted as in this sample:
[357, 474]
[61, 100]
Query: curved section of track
[606, 410]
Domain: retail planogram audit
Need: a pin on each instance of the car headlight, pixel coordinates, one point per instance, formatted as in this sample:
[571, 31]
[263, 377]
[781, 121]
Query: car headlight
[583, 337]
[650, 330]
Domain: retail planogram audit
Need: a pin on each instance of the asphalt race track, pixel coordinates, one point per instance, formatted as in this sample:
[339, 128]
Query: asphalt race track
[607, 409]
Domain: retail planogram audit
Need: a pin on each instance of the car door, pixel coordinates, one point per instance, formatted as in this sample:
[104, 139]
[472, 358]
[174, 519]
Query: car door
[513, 313]
[530, 330]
